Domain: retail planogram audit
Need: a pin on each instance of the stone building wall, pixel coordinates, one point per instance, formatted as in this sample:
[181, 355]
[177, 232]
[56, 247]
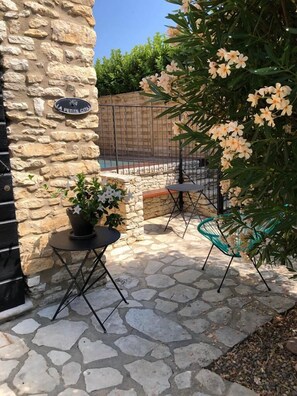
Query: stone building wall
[47, 49]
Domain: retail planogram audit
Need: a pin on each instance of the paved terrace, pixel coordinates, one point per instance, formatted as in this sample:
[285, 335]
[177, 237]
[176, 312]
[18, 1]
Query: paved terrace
[175, 325]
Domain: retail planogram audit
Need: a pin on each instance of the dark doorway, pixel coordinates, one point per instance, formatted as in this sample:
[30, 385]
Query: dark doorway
[12, 290]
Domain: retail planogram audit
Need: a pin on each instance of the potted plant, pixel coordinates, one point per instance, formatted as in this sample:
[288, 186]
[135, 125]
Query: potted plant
[90, 200]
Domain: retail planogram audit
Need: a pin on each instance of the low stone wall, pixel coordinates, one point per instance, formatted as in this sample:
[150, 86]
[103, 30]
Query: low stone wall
[157, 203]
[132, 207]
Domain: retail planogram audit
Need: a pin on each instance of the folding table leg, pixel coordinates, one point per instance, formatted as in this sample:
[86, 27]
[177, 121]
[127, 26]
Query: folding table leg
[194, 206]
[172, 212]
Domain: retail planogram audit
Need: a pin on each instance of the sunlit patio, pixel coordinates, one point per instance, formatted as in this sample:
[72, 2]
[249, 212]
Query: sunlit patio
[175, 326]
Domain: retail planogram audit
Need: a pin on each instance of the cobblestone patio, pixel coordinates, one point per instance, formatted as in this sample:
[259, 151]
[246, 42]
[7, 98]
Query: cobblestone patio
[175, 325]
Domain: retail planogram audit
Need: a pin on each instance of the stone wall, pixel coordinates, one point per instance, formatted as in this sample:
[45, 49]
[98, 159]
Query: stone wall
[47, 49]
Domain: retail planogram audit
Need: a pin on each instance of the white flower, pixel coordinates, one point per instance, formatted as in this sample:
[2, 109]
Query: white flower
[76, 209]
[117, 194]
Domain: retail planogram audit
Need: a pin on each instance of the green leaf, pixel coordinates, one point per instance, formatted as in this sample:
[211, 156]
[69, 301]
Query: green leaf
[266, 71]
[291, 30]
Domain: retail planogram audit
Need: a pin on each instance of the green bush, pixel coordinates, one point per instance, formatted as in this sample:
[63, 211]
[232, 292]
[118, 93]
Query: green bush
[122, 72]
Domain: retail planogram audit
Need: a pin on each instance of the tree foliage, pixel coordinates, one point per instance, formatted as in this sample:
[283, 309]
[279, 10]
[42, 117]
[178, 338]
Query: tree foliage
[263, 183]
[122, 72]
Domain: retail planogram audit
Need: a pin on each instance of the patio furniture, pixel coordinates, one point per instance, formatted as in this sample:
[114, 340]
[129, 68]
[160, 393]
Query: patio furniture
[184, 188]
[82, 278]
[211, 229]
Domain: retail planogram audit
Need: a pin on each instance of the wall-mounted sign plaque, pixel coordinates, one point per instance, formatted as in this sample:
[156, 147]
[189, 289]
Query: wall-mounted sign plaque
[73, 106]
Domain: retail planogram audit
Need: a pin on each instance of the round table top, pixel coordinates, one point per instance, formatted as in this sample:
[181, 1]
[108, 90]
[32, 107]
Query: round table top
[185, 187]
[104, 236]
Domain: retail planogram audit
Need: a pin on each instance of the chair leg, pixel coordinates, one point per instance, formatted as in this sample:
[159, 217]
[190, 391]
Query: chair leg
[254, 264]
[207, 257]
[219, 289]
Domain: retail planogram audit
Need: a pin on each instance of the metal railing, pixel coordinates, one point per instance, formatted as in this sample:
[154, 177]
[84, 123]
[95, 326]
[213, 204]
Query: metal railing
[133, 139]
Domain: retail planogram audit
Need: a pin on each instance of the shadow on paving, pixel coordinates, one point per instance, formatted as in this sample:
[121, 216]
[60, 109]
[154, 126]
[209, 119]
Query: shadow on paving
[174, 327]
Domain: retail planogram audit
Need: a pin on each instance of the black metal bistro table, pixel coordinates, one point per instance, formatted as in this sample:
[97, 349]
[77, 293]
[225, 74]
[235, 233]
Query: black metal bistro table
[81, 279]
[178, 207]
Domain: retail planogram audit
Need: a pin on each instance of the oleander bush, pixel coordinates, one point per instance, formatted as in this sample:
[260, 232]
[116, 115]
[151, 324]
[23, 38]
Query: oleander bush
[233, 82]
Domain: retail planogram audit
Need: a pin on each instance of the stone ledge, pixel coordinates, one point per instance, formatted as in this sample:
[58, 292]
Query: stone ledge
[10, 314]
[155, 193]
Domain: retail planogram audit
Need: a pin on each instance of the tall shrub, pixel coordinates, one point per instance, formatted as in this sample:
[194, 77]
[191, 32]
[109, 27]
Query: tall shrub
[234, 84]
[122, 72]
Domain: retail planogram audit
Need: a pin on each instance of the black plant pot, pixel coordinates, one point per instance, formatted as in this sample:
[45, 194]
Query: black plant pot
[80, 227]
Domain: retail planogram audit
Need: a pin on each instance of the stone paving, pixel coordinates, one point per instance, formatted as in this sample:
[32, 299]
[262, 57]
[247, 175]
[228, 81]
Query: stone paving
[175, 325]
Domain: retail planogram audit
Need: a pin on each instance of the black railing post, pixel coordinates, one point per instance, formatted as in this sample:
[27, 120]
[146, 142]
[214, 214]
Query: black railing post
[220, 198]
[115, 139]
[180, 175]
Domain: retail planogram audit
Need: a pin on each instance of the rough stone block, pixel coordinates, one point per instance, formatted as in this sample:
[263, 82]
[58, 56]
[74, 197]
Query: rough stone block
[71, 73]
[90, 121]
[80, 10]
[8, 5]
[36, 33]
[12, 77]
[52, 51]
[21, 40]
[40, 9]
[72, 33]
[38, 22]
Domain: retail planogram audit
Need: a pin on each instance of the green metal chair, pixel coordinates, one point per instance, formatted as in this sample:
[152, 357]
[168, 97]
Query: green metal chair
[211, 229]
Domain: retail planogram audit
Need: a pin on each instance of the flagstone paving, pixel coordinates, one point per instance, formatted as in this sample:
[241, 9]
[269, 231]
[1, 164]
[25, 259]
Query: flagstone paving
[162, 342]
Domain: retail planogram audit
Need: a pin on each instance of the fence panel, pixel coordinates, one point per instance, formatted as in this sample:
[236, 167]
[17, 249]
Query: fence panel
[133, 139]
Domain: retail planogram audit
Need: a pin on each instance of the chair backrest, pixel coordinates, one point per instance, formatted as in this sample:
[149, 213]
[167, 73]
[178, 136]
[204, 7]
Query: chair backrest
[211, 229]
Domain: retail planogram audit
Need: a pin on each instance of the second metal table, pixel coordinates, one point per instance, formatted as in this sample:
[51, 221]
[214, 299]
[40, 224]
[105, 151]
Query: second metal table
[181, 189]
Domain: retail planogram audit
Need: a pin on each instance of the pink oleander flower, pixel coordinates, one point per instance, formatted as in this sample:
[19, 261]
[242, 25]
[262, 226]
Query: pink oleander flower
[224, 70]
[173, 67]
[225, 163]
[253, 98]
[282, 90]
[241, 61]
[144, 83]
[175, 129]
[232, 57]
[225, 185]
[222, 53]
[237, 130]
[286, 108]
[275, 102]
[212, 69]
[185, 7]
[266, 114]
[165, 81]
[258, 120]
[173, 32]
